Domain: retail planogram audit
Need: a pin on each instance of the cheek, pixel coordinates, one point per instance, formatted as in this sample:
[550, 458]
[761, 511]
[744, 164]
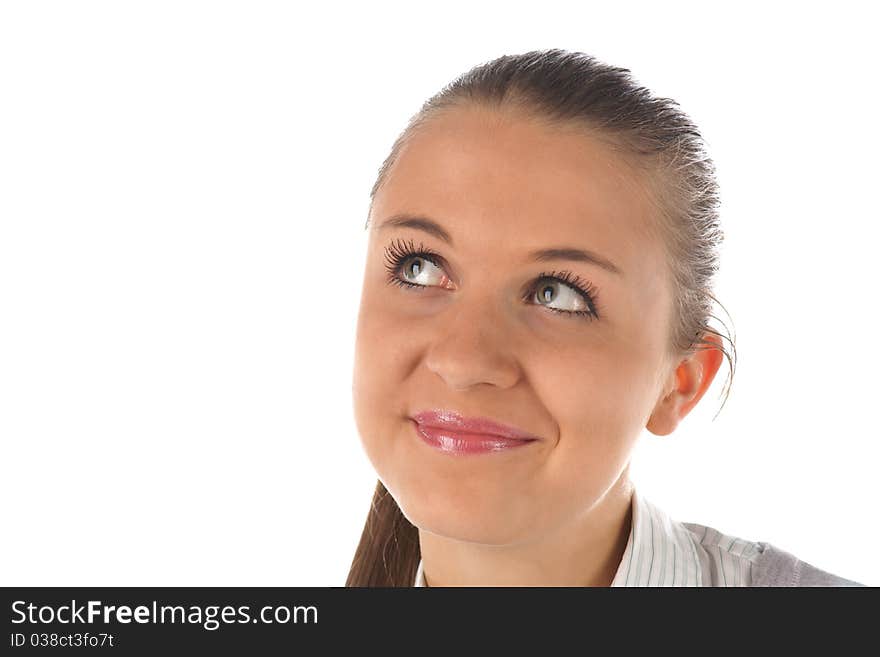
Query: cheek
[380, 366]
[599, 418]
[591, 387]
[598, 397]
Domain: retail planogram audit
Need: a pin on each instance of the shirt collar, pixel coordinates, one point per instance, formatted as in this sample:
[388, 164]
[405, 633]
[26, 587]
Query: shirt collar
[659, 552]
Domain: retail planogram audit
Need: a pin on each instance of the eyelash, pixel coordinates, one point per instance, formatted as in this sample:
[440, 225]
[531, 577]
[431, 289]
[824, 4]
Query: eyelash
[400, 251]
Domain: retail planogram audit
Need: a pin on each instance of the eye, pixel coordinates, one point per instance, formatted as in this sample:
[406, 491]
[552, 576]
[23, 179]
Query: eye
[415, 269]
[418, 271]
[577, 297]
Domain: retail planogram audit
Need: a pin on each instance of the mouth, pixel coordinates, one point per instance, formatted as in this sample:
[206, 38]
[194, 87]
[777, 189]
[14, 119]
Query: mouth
[454, 433]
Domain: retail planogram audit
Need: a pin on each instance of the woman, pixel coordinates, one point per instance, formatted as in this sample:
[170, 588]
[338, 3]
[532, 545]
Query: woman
[543, 237]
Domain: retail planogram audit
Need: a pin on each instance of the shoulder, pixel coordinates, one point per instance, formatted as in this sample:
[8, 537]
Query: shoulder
[777, 567]
[732, 561]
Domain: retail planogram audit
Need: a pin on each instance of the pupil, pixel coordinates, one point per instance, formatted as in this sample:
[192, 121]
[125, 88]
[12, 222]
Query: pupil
[415, 268]
[547, 293]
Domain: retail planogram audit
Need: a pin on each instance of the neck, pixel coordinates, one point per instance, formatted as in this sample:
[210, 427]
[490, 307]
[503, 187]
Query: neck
[585, 552]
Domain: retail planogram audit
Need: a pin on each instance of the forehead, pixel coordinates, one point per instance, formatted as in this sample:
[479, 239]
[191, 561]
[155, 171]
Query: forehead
[488, 175]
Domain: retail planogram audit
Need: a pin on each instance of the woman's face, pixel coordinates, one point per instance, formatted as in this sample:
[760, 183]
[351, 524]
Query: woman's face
[483, 339]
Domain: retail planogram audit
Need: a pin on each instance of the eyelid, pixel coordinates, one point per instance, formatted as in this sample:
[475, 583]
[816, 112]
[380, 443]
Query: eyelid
[395, 254]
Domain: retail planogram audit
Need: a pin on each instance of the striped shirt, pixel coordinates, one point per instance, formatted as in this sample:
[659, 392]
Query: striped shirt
[663, 552]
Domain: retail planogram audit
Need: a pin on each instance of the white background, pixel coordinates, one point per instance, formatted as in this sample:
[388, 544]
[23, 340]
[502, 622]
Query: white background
[183, 189]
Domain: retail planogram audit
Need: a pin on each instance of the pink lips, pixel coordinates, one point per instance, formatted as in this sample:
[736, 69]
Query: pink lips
[456, 434]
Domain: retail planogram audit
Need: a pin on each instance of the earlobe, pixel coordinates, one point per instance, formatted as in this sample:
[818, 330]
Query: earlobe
[666, 415]
[692, 378]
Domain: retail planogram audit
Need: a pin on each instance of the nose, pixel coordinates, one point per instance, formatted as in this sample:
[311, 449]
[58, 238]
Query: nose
[472, 345]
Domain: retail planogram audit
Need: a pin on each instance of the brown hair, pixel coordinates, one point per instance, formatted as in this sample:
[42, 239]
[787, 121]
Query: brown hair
[566, 90]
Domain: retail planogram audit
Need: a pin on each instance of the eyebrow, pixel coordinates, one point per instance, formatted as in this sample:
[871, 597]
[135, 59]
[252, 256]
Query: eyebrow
[541, 255]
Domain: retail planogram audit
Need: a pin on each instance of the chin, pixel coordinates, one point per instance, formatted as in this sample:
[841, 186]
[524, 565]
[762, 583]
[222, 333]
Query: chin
[475, 526]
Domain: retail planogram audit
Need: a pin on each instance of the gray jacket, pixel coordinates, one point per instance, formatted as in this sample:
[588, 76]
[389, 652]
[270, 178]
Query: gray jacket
[776, 567]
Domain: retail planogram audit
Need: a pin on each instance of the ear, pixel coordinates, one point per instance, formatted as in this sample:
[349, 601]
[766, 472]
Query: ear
[685, 386]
